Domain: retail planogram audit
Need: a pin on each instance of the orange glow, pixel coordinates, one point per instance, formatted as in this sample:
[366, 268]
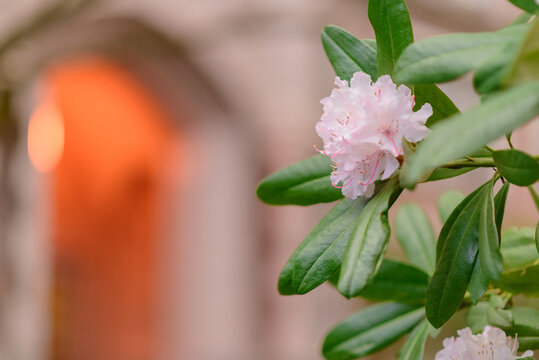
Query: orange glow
[46, 137]
[106, 192]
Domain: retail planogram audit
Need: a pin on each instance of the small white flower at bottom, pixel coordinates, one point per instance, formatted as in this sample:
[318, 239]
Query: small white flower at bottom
[363, 126]
[491, 344]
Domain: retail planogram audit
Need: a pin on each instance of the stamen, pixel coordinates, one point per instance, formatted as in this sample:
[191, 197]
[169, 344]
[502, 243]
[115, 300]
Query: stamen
[513, 350]
[340, 187]
[320, 151]
[413, 101]
[374, 172]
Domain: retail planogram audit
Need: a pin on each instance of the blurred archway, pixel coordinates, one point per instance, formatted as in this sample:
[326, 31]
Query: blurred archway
[106, 190]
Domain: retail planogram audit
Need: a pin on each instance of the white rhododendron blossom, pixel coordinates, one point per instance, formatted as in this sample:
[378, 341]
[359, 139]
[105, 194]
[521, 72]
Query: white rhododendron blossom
[491, 344]
[363, 127]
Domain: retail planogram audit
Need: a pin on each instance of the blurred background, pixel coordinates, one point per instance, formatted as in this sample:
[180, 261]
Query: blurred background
[132, 136]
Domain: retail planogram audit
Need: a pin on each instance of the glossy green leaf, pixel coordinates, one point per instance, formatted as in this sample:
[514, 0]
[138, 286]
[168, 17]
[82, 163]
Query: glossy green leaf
[443, 173]
[476, 317]
[518, 248]
[527, 5]
[448, 202]
[347, 54]
[366, 248]
[320, 254]
[397, 281]
[456, 260]
[463, 133]
[499, 206]
[414, 347]
[447, 57]
[489, 243]
[525, 68]
[416, 236]
[517, 167]
[448, 224]
[303, 183]
[478, 282]
[370, 330]
[480, 278]
[391, 23]
[325, 245]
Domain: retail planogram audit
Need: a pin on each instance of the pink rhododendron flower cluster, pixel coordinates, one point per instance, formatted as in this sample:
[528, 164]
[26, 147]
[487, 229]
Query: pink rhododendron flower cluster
[362, 128]
[491, 344]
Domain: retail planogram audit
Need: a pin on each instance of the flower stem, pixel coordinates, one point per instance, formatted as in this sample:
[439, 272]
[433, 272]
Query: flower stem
[474, 162]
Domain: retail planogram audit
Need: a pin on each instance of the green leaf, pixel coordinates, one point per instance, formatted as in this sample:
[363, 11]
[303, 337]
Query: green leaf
[320, 254]
[499, 206]
[416, 236]
[448, 202]
[456, 261]
[476, 317]
[443, 173]
[523, 18]
[480, 278]
[521, 262]
[491, 75]
[448, 224]
[526, 322]
[366, 248]
[518, 248]
[370, 330]
[463, 133]
[499, 317]
[527, 5]
[442, 106]
[347, 54]
[525, 68]
[391, 23]
[489, 239]
[303, 183]
[446, 57]
[371, 43]
[516, 166]
[397, 281]
[522, 281]
[478, 282]
[414, 346]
